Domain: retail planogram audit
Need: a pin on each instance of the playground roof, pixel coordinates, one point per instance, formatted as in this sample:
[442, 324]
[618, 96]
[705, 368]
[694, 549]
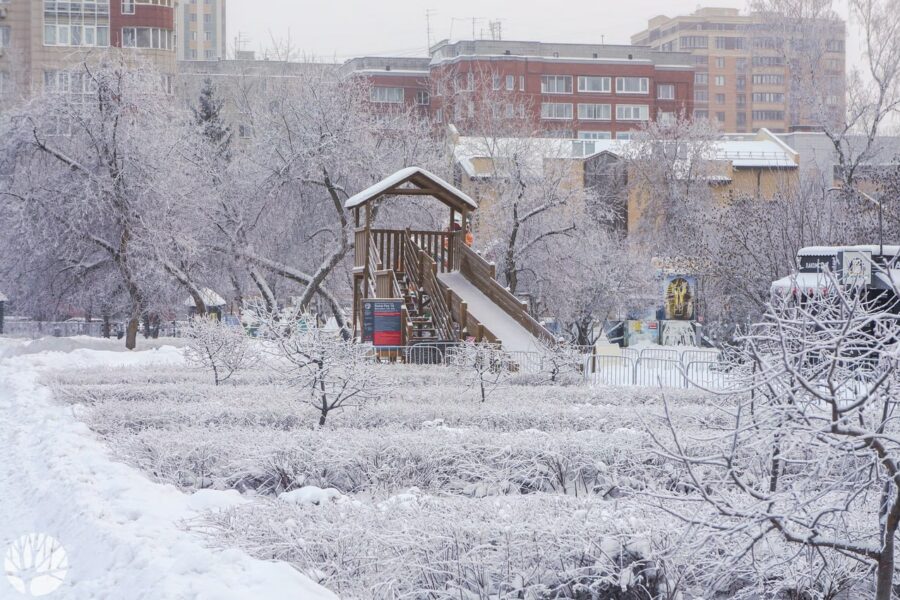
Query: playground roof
[422, 183]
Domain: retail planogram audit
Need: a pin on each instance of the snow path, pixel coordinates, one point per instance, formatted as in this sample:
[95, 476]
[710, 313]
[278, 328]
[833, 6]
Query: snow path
[121, 531]
[514, 337]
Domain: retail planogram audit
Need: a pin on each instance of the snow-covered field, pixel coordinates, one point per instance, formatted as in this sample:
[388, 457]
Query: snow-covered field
[158, 482]
[123, 535]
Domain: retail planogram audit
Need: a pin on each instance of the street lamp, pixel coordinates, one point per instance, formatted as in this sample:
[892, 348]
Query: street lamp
[880, 216]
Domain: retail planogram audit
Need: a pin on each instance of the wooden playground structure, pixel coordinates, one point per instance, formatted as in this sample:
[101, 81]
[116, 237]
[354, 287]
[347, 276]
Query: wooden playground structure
[449, 292]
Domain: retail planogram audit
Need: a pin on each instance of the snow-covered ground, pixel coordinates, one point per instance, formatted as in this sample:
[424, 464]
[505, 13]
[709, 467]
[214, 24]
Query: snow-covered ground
[124, 535]
[426, 492]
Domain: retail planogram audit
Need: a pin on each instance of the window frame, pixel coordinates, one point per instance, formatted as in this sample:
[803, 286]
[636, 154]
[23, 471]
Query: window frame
[644, 84]
[582, 89]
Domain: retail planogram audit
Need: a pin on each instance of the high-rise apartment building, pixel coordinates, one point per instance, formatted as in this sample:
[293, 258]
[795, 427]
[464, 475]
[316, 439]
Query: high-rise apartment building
[586, 91]
[201, 29]
[745, 75]
[40, 39]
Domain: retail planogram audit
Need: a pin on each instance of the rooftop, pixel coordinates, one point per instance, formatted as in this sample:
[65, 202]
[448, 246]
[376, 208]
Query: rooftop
[445, 51]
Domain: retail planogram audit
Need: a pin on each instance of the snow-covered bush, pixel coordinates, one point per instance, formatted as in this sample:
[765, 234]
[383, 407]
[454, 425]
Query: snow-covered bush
[337, 373]
[219, 348]
[484, 366]
[412, 545]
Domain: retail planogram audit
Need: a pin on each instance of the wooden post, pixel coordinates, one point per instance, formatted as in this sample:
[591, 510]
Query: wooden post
[479, 333]
[463, 317]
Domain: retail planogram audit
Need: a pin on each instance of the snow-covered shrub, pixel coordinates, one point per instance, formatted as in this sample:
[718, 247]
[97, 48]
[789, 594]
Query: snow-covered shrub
[336, 373]
[412, 545]
[484, 366]
[219, 348]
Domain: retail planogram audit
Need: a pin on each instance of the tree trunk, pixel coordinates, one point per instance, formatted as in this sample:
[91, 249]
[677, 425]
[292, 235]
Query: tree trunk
[884, 574]
[107, 329]
[146, 327]
[131, 333]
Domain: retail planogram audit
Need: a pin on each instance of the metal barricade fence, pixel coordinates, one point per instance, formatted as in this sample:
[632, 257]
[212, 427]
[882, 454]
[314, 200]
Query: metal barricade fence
[609, 370]
[660, 354]
[659, 372]
[706, 375]
[706, 355]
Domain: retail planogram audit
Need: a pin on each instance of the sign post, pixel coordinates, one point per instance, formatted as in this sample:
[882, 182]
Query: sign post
[382, 324]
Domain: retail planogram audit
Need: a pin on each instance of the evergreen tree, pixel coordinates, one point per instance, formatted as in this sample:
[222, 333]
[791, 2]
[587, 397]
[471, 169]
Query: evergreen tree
[208, 115]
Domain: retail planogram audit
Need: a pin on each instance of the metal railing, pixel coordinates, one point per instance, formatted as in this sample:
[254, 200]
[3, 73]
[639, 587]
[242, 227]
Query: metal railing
[653, 367]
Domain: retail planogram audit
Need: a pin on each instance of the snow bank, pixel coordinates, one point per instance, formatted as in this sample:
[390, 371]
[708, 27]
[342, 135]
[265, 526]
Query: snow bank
[123, 534]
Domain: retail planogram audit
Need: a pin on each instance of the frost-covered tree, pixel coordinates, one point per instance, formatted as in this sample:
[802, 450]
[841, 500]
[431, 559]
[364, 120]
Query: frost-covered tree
[310, 141]
[484, 365]
[330, 372]
[220, 348]
[809, 460]
[88, 170]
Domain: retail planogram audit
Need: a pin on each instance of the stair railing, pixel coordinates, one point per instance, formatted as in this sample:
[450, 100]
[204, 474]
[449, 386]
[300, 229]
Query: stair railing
[422, 271]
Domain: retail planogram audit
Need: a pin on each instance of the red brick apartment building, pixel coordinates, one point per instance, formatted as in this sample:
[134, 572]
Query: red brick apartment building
[567, 90]
[39, 40]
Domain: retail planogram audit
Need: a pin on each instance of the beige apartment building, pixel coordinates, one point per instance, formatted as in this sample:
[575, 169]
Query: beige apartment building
[743, 78]
[201, 29]
[40, 39]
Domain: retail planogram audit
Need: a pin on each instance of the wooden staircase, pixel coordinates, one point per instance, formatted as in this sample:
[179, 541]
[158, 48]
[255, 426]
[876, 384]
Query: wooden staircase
[420, 322]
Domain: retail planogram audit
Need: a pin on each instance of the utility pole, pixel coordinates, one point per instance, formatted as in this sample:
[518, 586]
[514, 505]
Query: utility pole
[428, 13]
[880, 214]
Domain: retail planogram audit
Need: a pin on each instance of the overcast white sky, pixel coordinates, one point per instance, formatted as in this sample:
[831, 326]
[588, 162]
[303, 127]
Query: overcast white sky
[341, 29]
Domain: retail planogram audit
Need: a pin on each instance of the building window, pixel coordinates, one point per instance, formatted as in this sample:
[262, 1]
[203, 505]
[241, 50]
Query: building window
[665, 91]
[768, 97]
[207, 35]
[510, 83]
[5, 33]
[742, 119]
[439, 115]
[768, 115]
[147, 37]
[595, 84]
[834, 64]
[741, 99]
[768, 79]
[730, 43]
[496, 81]
[556, 84]
[422, 98]
[740, 64]
[720, 63]
[720, 98]
[556, 110]
[720, 80]
[768, 61]
[623, 135]
[720, 117]
[594, 135]
[521, 83]
[386, 95]
[632, 85]
[594, 112]
[701, 60]
[470, 81]
[245, 131]
[632, 112]
[127, 7]
[701, 114]
[741, 82]
[692, 42]
[834, 45]
[701, 78]
[701, 96]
